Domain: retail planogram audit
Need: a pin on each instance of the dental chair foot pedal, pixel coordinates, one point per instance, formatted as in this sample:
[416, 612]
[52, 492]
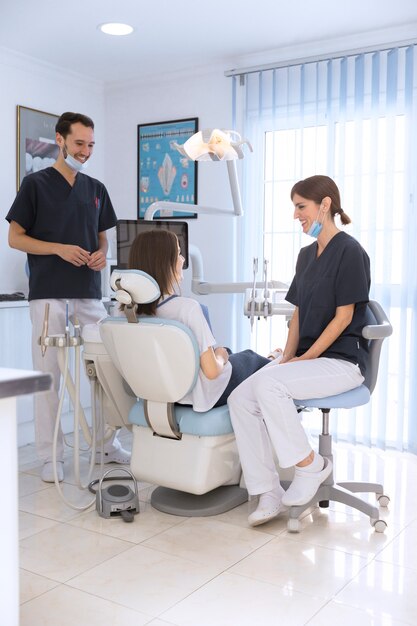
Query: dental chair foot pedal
[214, 502]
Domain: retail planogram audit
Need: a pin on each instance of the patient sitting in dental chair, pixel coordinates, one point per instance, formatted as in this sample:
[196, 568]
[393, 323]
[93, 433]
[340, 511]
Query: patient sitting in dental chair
[157, 252]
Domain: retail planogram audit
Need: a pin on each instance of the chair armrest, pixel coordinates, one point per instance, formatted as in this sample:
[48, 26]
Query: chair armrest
[380, 330]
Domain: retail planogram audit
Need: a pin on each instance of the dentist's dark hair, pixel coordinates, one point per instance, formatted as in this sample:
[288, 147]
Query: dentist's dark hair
[156, 253]
[318, 187]
[63, 125]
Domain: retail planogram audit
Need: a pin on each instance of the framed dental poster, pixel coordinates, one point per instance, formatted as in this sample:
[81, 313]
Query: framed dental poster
[36, 147]
[163, 172]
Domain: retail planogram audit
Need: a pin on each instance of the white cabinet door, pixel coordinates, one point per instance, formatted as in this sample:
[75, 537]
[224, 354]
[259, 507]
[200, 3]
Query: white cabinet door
[15, 351]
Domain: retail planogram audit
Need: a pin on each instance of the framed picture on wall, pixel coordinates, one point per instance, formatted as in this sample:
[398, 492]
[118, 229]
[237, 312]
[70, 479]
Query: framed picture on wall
[164, 173]
[36, 147]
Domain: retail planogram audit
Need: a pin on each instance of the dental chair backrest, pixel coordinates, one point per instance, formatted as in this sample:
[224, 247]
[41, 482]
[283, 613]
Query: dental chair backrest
[158, 358]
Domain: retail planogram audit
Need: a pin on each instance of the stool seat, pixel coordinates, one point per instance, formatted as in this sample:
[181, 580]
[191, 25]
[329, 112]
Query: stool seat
[347, 400]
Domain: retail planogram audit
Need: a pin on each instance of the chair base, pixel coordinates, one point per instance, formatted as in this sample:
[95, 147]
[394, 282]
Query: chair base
[214, 502]
[342, 492]
[338, 493]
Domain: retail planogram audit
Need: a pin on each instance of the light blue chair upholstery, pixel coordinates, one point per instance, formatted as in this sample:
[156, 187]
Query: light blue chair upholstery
[377, 329]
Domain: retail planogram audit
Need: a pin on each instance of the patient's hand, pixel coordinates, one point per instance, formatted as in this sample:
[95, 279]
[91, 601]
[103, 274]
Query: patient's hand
[275, 354]
[212, 362]
[222, 353]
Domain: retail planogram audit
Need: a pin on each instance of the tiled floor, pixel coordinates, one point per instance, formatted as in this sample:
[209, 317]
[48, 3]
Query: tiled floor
[78, 568]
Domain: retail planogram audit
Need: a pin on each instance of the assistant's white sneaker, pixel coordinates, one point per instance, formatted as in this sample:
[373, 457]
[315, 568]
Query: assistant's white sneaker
[114, 454]
[269, 506]
[306, 483]
[47, 474]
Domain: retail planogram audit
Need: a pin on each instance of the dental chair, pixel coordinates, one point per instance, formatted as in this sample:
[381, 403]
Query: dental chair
[191, 456]
[377, 329]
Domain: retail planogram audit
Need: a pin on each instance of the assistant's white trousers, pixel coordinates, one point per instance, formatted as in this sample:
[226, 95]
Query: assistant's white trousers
[262, 412]
[87, 311]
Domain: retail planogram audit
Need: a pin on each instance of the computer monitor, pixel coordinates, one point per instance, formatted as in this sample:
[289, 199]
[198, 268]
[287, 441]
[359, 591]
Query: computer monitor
[127, 231]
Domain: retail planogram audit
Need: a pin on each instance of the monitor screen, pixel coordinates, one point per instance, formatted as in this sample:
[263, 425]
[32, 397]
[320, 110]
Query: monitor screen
[127, 230]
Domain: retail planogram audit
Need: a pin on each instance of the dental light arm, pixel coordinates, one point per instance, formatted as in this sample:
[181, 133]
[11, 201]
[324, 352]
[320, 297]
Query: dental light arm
[209, 145]
[161, 205]
[202, 287]
[218, 145]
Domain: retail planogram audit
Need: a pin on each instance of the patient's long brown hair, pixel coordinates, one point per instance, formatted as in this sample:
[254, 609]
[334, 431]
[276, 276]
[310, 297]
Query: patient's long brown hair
[155, 252]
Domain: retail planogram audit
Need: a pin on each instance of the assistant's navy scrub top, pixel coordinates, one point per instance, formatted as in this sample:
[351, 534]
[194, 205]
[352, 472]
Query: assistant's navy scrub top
[338, 277]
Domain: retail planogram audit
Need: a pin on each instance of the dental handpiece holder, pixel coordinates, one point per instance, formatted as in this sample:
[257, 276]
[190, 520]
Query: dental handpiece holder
[257, 306]
[63, 340]
[60, 341]
[267, 300]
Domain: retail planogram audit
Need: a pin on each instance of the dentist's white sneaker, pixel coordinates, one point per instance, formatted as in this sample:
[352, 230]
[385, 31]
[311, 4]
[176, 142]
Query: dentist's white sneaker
[114, 454]
[47, 474]
[305, 484]
[269, 506]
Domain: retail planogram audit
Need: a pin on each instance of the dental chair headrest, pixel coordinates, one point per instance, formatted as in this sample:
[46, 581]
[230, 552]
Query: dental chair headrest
[134, 287]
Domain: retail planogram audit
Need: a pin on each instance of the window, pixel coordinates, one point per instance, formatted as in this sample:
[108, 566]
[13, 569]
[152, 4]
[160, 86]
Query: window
[353, 118]
[293, 154]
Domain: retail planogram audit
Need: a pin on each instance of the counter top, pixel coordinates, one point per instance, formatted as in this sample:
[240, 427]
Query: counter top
[20, 382]
[8, 304]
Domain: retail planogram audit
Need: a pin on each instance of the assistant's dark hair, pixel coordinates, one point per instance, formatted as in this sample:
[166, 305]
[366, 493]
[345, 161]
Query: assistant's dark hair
[156, 253]
[63, 125]
[318, 187]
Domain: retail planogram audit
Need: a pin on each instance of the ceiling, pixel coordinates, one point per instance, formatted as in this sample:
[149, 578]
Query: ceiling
[182, 35]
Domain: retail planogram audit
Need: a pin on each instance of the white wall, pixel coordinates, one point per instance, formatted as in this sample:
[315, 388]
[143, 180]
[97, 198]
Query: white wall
[44, 87]
[208, 97]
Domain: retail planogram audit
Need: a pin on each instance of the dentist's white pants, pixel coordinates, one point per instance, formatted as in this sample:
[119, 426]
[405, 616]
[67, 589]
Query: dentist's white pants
[262, 412]
[88, 311]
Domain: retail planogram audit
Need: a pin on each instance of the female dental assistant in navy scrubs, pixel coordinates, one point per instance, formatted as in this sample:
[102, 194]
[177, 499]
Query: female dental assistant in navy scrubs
[324, 355]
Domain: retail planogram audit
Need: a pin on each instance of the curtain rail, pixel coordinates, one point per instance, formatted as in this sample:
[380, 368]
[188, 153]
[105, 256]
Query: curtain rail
[321, 57]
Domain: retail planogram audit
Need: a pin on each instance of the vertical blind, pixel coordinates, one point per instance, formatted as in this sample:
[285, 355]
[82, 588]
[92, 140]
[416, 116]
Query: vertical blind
[354, 119]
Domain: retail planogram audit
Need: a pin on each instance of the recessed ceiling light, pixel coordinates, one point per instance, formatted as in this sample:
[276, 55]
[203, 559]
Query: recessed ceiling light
[113, 28]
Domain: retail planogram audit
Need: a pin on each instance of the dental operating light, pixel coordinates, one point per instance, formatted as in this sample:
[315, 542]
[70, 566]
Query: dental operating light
[209, 145]
[213, 145]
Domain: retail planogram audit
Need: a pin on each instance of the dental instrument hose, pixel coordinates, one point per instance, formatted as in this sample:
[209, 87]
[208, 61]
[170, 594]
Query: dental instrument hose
[55, 440]
[79, 417]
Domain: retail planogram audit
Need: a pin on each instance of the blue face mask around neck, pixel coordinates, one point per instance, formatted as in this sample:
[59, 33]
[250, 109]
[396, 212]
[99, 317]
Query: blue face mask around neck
[75, 165]
[316, 227]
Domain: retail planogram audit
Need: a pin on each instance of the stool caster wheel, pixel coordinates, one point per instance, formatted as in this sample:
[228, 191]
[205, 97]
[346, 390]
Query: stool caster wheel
[383, 500]
[379, 525]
